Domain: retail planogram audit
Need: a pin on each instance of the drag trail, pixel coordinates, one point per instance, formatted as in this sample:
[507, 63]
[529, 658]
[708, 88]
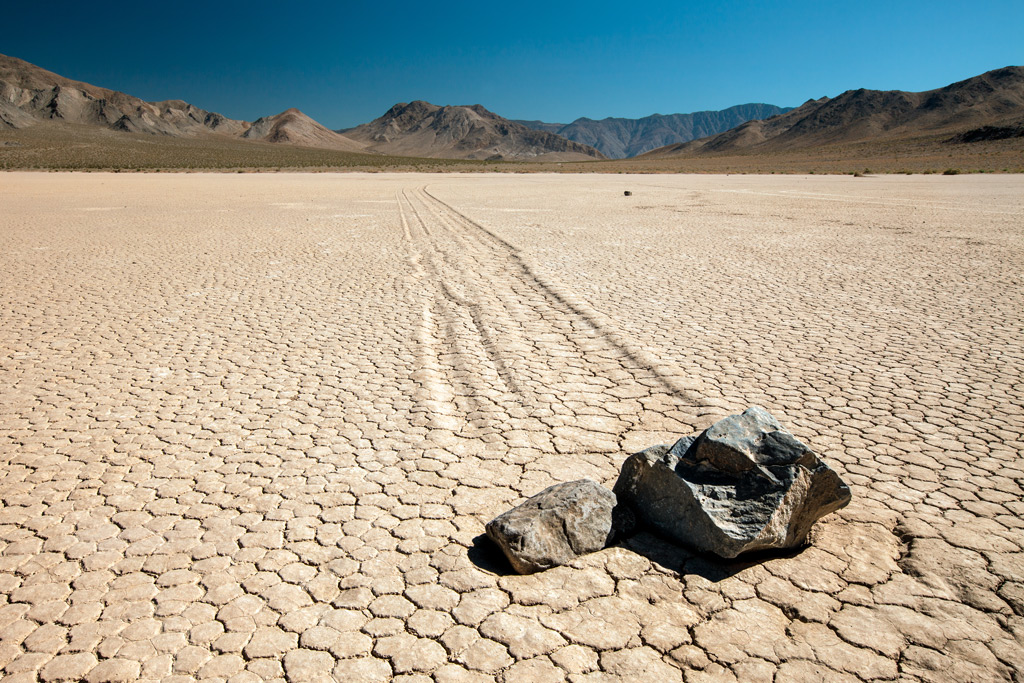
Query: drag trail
[499, 343]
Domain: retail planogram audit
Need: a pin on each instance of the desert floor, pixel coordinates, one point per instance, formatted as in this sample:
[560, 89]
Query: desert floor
[252, 426]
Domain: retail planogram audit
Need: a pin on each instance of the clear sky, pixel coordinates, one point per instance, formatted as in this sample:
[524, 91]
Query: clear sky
[345, 63]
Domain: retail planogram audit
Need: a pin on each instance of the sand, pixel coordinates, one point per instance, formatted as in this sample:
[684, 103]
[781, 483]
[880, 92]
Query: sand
[251, 426]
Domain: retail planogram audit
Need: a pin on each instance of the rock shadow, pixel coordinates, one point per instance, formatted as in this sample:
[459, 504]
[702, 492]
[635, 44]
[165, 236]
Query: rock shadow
[487, 556]
[688, 562]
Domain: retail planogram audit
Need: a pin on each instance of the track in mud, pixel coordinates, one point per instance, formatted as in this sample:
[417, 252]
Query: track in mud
[497, 343]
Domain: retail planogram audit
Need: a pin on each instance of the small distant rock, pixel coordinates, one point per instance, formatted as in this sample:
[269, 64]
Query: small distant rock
[556, 526]
[628, 193]
[744, 484]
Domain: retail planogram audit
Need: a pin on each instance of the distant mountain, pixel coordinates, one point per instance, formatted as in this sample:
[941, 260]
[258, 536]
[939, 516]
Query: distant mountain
[994, 99]
[30, 95]
[546, 127]
[619, 138]
[292, 127]
[462, 132]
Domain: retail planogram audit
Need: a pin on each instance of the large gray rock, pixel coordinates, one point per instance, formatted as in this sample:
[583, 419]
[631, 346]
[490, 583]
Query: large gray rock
[743, 484]
[555, 526]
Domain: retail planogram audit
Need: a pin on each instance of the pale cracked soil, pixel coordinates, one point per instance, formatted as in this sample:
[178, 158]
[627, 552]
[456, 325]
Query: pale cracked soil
[252, 426]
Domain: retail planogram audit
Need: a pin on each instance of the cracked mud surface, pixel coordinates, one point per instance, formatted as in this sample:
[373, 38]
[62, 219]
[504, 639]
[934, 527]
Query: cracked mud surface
[251, 427]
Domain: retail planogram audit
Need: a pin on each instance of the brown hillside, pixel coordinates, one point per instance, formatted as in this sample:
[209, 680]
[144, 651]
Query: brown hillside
[30, 95]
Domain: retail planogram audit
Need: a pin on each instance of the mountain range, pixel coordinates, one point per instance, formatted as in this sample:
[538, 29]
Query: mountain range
[619, 138]
[977, 112]
[963, 110]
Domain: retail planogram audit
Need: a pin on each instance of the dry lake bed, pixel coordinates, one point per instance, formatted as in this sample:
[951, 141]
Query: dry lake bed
[252, 426]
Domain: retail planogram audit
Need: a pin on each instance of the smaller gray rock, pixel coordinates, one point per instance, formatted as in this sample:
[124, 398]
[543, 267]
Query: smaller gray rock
[556, 526]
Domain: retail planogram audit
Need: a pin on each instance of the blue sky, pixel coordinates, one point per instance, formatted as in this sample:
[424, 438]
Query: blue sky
[344, 63]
